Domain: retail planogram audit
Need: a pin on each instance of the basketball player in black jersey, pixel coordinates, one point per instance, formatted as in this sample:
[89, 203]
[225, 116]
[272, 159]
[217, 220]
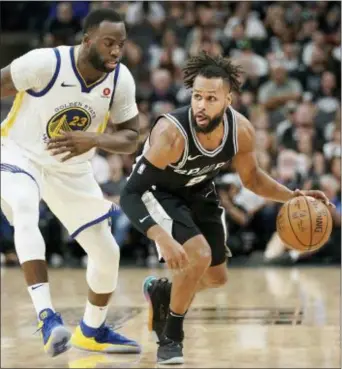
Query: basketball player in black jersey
[170, 196]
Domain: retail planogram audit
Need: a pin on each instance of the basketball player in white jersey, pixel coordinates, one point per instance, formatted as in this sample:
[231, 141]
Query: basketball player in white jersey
[64, 99]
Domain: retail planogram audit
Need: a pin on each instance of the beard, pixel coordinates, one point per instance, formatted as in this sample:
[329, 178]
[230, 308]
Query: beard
[97, 61]
[211, 126]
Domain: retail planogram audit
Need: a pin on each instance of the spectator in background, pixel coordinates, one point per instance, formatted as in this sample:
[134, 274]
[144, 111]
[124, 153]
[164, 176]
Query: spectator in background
[335, 168]
[275, 93]
[317, 42]
[111, 190]
[328, 98]
[254, 65]
[243, 15]
[168, 52]
[333, 148]
[162, 87]
[310, 76]
[62, 29]
[236, 214]
[302, 130]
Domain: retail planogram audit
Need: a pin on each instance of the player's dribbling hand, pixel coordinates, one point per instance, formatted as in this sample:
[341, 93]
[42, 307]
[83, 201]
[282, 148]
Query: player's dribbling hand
[71, 143]
[173, 253]
[318, 195]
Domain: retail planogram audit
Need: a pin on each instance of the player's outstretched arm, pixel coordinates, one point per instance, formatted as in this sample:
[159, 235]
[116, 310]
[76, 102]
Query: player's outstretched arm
[253, 177]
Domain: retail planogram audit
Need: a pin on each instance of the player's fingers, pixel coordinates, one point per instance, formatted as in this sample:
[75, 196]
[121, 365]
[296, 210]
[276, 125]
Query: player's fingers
[184, 259]
[55, 145]
[60, 150]
[61, 138]
[299, 193]
[69, 156]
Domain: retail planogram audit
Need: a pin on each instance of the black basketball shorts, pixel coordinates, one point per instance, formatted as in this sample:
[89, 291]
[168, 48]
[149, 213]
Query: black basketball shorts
[189, 214]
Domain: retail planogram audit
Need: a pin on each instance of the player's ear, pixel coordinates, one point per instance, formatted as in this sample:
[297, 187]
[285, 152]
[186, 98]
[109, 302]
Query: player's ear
[229, 98]
[86, 39]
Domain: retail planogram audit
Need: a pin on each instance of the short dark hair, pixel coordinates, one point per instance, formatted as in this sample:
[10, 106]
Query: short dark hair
[212, 67]
[97, 16]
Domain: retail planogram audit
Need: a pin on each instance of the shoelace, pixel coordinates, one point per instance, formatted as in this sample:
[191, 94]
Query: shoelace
[55, 315]
[168, 342]
[104, 332]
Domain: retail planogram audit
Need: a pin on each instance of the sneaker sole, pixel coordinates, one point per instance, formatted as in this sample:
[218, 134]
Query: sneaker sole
[173, 361]
[147, 298]
[59, 341]
[113, 350]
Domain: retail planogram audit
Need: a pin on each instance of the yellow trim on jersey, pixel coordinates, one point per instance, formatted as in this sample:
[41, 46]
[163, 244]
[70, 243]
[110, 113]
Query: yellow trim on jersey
[10, 120]
[103, 125]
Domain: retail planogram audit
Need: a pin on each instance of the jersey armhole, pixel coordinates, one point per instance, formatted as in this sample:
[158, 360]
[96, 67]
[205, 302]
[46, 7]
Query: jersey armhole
[53, 79]
[184, 158]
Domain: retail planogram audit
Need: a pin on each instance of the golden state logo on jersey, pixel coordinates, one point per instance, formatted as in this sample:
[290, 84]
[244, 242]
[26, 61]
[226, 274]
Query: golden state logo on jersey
[68, 120]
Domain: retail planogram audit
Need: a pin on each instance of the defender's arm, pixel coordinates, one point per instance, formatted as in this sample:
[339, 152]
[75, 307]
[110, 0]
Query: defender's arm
[124, 140]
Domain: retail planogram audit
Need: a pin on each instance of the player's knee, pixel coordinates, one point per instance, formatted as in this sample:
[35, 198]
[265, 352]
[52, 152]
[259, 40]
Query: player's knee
[101, 247]
[202, 258]
[25, 213]
[110, 258]
[219, 280]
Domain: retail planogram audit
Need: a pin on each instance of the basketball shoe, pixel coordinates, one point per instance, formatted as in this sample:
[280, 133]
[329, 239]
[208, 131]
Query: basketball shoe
[55, 336]
[157, 292]
[170, 352]
[102, 339]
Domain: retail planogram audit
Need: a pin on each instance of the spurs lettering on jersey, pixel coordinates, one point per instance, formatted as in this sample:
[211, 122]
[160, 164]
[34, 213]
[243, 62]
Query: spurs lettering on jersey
[200, 174]
[200, 171]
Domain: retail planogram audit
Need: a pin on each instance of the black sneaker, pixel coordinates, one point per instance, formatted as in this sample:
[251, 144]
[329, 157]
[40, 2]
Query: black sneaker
[158, 293]
[170, 352]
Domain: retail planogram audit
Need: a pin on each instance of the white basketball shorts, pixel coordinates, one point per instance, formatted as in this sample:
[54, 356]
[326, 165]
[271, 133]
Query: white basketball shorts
[75, 198]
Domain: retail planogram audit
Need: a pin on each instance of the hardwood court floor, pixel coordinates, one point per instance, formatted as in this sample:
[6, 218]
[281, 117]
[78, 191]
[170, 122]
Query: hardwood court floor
[263, 318]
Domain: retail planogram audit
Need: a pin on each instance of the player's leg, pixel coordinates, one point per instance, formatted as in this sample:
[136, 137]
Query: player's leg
[87, 222]
[20, 203]
[214, 231]
[171, 304]
[102, 274]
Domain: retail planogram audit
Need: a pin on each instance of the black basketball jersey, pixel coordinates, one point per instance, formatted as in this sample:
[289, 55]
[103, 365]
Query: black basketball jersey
[197, 167]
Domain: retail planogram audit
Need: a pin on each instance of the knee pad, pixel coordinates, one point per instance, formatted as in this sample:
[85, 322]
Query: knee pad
[28, 240]
[103, 257]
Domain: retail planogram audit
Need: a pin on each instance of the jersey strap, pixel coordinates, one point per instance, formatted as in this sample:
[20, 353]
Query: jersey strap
[116, 75]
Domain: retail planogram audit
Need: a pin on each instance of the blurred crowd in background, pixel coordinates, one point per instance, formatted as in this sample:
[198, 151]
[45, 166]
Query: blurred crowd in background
[290, 52]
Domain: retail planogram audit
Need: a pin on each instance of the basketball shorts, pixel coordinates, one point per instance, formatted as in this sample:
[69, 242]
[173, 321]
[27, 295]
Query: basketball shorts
[190, 214]
[74, 197]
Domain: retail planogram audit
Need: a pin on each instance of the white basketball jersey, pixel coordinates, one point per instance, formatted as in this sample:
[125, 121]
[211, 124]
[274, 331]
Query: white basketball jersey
[67, 104]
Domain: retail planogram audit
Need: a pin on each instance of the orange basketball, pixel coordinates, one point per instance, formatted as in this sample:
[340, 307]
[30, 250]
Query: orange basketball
[304, 224]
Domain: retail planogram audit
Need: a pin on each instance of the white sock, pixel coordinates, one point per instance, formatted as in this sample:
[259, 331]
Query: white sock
[40, 295]
[294, 255]
[94, 316]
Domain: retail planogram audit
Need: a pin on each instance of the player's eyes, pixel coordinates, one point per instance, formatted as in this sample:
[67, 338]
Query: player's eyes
[212, 98]
[197, 96]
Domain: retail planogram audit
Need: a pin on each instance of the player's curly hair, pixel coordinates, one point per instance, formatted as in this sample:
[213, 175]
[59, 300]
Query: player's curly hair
[212, 67]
